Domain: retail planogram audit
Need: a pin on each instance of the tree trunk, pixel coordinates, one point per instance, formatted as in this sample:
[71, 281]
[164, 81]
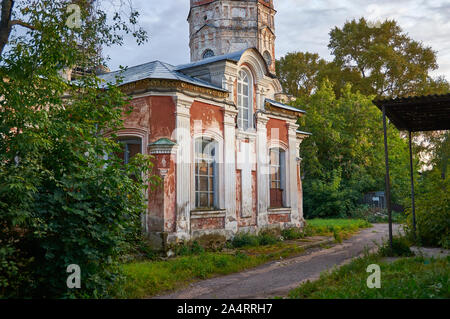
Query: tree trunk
[5, 23]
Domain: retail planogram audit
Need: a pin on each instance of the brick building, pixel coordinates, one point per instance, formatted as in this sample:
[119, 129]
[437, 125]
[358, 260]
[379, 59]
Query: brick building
[224, 142]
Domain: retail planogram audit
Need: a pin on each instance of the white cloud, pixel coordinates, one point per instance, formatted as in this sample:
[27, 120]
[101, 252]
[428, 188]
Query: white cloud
[302, 25]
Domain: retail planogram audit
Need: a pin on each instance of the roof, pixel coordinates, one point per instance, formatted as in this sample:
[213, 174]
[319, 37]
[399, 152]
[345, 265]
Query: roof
[304, 133]
[163, 141]
[284, 106]
[418, 113]
[234, 56]
[154, 70]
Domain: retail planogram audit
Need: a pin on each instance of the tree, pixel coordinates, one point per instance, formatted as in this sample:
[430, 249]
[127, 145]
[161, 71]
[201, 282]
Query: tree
[65, 197]
[389, 61]
[343, 159]
[298, 72]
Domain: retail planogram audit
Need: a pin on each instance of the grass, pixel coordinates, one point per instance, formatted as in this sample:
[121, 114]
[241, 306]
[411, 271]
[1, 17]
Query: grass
[417, 278]
[339, 228]
[151, 277]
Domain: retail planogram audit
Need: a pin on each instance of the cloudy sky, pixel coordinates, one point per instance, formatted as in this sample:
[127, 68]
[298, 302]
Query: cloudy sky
[301, 25]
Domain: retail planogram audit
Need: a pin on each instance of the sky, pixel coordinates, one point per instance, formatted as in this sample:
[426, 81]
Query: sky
[301, 25]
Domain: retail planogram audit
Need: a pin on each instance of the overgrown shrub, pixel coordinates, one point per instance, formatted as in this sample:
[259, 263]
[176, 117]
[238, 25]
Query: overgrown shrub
[400, 248]
[432, 211]
[292, 233]
[244, 239]
[247, 240]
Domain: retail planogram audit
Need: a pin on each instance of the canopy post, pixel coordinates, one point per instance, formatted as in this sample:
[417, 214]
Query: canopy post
[412, 185]
[388, 186]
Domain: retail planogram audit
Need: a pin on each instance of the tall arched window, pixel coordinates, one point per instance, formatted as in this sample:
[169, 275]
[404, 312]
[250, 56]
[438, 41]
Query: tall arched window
[205, 173]
[244, 99]
[277, 176]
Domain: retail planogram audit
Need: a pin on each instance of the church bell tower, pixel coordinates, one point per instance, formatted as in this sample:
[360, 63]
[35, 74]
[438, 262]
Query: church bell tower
[218, 27]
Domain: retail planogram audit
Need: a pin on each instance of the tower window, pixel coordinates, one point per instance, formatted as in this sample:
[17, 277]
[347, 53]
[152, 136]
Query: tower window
[208, 54]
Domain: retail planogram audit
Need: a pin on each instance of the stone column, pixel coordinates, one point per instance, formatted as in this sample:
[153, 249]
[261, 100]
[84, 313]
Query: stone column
[291, 163]
[183, 168]
[262, 172]
[229, 145]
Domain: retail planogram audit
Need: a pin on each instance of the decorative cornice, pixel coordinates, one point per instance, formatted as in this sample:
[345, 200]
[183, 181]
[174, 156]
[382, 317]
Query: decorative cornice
[278, 111]
[162, 146]
[171, 84]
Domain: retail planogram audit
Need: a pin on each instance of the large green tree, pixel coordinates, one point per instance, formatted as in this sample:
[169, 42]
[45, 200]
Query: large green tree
[389, 61]
[343, 158]
[377, 59]
[298, 72]
[65, 197]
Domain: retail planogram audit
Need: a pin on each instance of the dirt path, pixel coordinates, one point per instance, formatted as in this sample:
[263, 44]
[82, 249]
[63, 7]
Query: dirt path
[279, 277]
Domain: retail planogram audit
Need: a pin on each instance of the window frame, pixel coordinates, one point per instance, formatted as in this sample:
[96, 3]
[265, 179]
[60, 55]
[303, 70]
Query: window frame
[281, 180]
[208, 53]
[212, 173]
[245, 113]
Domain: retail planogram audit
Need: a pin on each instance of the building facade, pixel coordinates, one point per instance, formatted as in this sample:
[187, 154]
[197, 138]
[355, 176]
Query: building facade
[224, 143]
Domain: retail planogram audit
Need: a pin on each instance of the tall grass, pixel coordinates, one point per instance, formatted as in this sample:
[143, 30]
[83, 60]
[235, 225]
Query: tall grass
[415, 278]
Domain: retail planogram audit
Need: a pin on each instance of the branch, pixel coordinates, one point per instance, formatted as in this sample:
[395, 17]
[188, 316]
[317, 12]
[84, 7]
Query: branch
[22, 23]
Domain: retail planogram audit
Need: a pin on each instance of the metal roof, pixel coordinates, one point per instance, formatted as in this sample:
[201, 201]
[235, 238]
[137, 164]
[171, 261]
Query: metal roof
[154, 70]
[234, 56]
[284, 106]
[418, 113]
[305, 133]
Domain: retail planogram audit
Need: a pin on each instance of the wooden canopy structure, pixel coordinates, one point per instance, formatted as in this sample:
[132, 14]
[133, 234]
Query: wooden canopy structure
[412, 114]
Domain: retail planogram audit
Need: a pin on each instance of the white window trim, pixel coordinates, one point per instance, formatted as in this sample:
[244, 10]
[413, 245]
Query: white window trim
[285, 183]
[220, 190]
[250, 96]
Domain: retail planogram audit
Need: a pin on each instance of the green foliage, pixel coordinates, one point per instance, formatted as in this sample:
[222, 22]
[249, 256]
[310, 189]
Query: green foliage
[293, 233]
[298, 72]
[375, 215]
[327, 226]
[145, 279]
[400, 248]
[380, 61]
[61, 201]
[389, 62]
[410, 278]
[249, 240]
[432, 210]
[344, 158]
[187, 249]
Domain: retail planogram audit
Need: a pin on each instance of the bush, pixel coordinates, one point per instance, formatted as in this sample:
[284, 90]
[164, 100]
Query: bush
[400, 248]
[247, 240]
[292, 233]
[432, 212]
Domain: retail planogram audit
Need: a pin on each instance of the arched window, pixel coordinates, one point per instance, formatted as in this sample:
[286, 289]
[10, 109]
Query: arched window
[268, 58]
[208, 54]
[244, 99]
[130, 147]
[206, 173]
[277, 176]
